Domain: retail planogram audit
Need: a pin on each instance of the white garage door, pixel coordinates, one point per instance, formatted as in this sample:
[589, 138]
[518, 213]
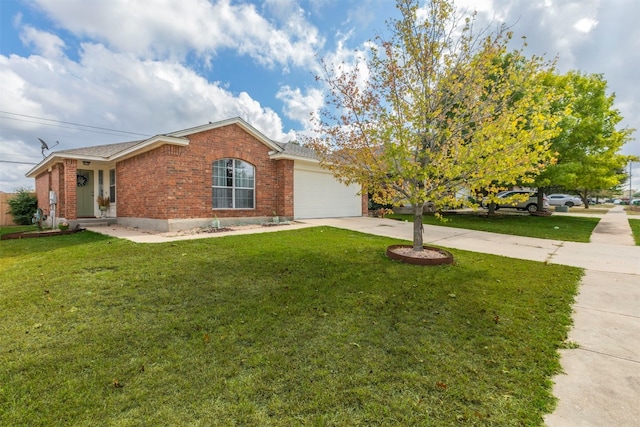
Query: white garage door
[317, 194]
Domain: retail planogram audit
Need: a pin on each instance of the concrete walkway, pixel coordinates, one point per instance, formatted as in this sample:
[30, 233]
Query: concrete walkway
[613, 228]
[601, 381]
[600, 385]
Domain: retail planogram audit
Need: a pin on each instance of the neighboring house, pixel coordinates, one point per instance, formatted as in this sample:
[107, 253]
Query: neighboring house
[226, 170]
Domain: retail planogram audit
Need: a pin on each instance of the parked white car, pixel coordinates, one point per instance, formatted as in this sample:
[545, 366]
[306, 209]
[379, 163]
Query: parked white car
[530, 204]
[564, 200]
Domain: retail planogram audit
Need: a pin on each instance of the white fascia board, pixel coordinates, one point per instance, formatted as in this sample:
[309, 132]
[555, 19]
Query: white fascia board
[284, 156]
[44, 165]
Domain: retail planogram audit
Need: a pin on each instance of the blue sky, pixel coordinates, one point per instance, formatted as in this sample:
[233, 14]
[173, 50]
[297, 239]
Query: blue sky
[155, 66]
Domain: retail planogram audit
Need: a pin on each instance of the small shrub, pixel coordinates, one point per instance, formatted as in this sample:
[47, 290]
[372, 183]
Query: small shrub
[22, 206]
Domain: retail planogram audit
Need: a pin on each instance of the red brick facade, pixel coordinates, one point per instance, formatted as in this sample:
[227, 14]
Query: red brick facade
[67, 196]
[172, 182]
[54, 180]
[43, 184]
[285, 184]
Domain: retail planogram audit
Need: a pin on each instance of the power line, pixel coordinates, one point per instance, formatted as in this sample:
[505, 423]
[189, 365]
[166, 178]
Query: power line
[58, 126]
[24, 156]
[68, 123]
[18, 163]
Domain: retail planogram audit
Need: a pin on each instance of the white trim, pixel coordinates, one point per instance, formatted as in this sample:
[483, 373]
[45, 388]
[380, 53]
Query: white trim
[285, 156]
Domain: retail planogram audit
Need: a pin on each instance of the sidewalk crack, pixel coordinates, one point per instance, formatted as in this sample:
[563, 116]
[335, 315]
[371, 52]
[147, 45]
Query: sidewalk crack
[608, 355]
[558, 247]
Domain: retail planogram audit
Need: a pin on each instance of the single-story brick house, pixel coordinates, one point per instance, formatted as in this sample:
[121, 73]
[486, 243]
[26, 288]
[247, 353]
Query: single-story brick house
[226, 170]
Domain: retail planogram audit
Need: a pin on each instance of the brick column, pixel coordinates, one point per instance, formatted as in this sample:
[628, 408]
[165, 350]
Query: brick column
[285, 188]
[43, 184]
[69, 210]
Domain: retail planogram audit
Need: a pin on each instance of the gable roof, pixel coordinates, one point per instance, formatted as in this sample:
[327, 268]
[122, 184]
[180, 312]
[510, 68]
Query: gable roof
[233, 121]
[103, 151]
[293, 151]
[124, 150]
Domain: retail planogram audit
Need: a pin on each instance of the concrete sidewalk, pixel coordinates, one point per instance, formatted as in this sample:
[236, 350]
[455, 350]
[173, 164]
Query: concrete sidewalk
[600, 385]
[613, 228]
[601, 381]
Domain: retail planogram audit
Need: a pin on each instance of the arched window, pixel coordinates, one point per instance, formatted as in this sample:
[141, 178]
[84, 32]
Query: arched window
[233, 184]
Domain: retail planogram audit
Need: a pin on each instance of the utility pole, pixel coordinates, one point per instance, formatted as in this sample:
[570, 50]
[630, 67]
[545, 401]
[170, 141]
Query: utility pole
[630, 181]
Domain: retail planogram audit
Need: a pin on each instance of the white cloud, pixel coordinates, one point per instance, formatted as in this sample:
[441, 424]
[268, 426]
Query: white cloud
[14, 87]
[45, 44]
[299, 106]
[126, 92]
[480, 6]
[173, 29]
[585, 25]
[19, 157]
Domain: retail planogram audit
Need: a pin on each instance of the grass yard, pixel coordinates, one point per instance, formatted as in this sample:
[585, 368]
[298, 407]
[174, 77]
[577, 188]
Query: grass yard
[312, 327]
[635, 229]
[565, 228]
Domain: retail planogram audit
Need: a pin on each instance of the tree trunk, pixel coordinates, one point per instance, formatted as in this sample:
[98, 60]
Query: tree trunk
[540, 200]
[417, 227]
[585, 199]
[491, 209]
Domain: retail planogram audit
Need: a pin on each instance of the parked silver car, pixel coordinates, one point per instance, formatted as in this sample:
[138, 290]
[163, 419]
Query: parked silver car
[564, 200]
[530, 205]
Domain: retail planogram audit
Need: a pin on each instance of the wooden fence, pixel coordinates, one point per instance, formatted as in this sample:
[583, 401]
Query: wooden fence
[5, 217]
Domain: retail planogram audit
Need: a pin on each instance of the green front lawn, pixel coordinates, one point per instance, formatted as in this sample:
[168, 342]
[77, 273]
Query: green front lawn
[635, 229]
[17, 229]
[311, 327]
[565, 228]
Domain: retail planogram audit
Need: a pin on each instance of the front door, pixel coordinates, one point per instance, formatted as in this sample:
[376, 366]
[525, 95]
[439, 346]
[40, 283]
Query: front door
[84, 193]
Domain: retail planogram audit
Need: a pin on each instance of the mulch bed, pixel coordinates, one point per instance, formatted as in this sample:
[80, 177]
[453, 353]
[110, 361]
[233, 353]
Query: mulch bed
[224, 229]
[34, 234]
[215, 230]
[543, 213]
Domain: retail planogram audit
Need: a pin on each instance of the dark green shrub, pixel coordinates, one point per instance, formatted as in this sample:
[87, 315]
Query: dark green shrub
[22, 206]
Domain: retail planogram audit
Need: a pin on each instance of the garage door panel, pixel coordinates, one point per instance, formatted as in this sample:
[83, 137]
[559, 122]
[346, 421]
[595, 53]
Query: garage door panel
[317, 194]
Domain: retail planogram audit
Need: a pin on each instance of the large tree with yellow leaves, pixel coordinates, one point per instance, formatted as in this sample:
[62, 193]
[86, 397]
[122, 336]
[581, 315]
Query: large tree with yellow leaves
[438, 108]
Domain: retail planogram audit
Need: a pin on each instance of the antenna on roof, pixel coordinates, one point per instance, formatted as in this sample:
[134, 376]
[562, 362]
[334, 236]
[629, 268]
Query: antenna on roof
[44, 146]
